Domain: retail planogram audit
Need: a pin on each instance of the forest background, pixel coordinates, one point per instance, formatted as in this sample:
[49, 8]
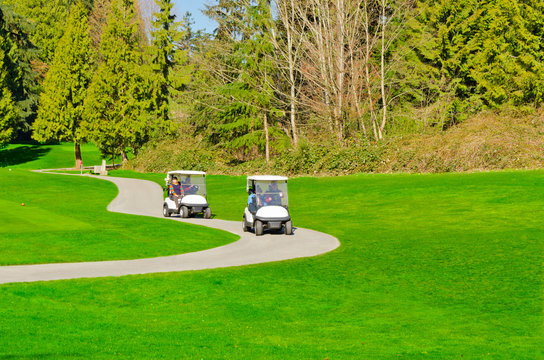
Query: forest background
[289, 86]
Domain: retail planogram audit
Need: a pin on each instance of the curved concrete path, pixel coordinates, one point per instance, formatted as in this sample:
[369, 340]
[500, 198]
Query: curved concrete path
[141, 197]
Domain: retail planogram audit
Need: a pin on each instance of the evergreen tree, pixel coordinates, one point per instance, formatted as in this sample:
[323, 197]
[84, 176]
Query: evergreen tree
[231, 121]
[10, 75]
[8, 116]
[65, 87]
[25, 90]
[478, 54]
[163, 35]
[118, 103]
[187, 41]
[508, 64]
[236, 104]
[258, 72]
[49, 19]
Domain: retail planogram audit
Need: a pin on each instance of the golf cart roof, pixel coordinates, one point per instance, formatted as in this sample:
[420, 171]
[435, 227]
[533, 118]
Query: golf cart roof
[267, 178]
[186, 172]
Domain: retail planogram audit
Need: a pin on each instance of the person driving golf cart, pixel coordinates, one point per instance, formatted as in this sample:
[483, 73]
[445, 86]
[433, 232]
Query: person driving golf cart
[188, 187]
[175, 190]
[186, 198]
[274, 195]
[273, 187]
[267, 209]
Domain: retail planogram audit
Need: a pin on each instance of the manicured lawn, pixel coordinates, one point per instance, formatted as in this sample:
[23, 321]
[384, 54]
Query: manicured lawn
[65, 218]
[430, 267]
[28, 156]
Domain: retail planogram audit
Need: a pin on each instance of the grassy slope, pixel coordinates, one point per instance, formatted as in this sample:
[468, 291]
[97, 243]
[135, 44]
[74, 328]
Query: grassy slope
[431, 267]
[46, 156]
[487, 141]
[65, 218]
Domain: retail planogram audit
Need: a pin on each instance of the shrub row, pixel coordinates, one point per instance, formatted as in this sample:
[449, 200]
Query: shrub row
[484, 142]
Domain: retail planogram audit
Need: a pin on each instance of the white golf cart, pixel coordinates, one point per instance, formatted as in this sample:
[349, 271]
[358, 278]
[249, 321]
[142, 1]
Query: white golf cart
[193, 196]
[267, 205]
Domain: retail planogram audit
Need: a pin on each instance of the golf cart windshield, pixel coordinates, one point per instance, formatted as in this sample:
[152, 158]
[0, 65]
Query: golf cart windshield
[270, 193]
[192, 184]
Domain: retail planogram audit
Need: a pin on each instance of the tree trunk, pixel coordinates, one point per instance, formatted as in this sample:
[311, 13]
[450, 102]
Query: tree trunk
[340, 67]
[77, 152]
[293, 115]
[124, 156]
[382, 72]
[267, 141]
[367, 73]
[292, 76]
[356, 101]
[322, 54]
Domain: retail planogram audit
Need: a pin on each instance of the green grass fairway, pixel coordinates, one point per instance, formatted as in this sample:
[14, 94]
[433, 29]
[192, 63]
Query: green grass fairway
[28, 156]
[430, 267]
[65, 218]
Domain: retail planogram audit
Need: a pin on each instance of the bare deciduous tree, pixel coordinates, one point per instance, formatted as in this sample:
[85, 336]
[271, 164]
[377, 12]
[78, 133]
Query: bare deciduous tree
[333, 61]
[97, 20]
[287, 55]
[146, 9]
[347, 55]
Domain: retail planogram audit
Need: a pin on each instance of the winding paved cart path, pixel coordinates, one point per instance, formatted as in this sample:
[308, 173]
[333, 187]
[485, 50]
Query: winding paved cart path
[141, 197]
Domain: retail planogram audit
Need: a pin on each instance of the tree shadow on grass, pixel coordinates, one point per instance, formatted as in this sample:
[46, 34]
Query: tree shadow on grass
[39, 356]
[21, 154]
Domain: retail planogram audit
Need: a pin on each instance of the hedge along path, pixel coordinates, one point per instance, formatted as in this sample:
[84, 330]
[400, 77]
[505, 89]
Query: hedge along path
[145, 198]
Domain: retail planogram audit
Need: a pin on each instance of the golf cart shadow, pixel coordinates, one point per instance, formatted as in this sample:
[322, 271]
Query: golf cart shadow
[275, 232]
[194, 216]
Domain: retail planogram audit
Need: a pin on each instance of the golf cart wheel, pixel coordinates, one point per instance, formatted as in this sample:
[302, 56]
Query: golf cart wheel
[184, 212]
[245, 228]
[207, 213]
[258, 227]
[288, 228]
[165, 211]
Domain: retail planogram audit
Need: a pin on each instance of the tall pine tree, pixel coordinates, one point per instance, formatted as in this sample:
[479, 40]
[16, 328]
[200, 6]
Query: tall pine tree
[61, 107]
[480, 54]
[508, 66]
[237, 105]
[49, 21]
[163, 37]
[25, 91]
[118, 103]
[10, 75]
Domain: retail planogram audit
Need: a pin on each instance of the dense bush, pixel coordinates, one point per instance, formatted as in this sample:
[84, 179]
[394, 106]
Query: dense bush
[488, 141]
[316, 159]
[171, 156]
